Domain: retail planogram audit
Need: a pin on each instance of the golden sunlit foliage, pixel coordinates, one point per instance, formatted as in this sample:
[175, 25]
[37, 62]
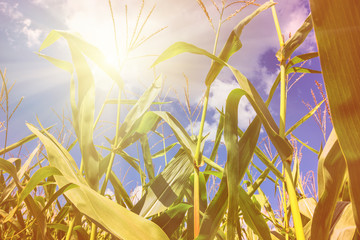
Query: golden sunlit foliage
[54, 194]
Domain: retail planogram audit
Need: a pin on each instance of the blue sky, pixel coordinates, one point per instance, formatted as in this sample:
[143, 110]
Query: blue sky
[25, 24]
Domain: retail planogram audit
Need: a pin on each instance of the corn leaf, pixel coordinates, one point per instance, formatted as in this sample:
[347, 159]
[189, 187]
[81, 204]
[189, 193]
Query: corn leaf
[171, 219]
[239, 154]
[141, 106]
[166, 187]
[214, 213]
[331, 173]
[162, 152]
[144, 141]
[282, 145]
[336, 29]
[253, 216]
[246, 147]
[233, 44]
[343, 224]
[304, 118]
[219, 133]
[296, 40]
[307, 207]
[11, 185]
[32, 206]
[123, 224]
[119, 190]
[86, 48]
[19, 143]
[38, 176]
[57, 194]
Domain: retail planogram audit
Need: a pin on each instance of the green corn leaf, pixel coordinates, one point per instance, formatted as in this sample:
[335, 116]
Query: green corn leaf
[212, 164]
[57, 194]
[83, 112]
[304, 118]
[219, 133]
[124, 224]
[166, 187]
[214, 173]
[162, 152]
[246, 147]
[12, 184]
[144, 141]
[145, 123]
[214, 213]
[119, 190]
[36, 178]
[296, 40]
[307, 207]
[336, 30]
[171, 219]
[134, 162]
[32, 206]
[239, 154]
[83, 116]
[305, 145]
[301, 58]
[289, 69]
[142, 105]
[331, 173]
[180, 133]
[253, 216]
[233, 44]
[282, 145]
[20, 143]
[9, 168]
[86, 48]
[343, 223]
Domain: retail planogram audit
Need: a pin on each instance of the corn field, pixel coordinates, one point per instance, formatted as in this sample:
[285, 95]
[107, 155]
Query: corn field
[55, 193]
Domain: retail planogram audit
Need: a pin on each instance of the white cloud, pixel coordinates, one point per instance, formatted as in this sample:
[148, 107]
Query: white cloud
[217, 100]
[10, 10]
[22, 24]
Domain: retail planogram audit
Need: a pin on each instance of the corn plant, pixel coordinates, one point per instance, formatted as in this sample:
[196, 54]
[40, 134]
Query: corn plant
[63, 196]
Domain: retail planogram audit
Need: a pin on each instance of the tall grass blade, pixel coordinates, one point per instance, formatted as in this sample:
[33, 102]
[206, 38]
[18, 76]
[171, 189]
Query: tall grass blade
[336, 29]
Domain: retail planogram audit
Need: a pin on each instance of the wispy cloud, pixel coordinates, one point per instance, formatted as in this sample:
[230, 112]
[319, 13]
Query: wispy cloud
[20, 24]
